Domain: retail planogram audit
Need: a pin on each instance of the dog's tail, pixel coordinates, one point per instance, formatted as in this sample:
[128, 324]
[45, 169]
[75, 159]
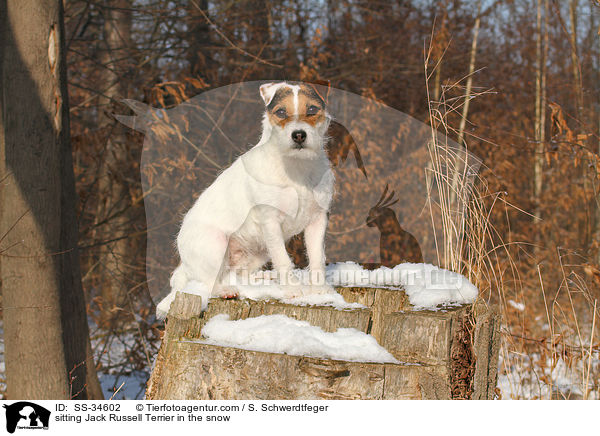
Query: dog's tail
[178, 283]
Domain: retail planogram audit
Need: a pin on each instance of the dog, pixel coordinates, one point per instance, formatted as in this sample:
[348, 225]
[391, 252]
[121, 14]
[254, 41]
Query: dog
[279, 188]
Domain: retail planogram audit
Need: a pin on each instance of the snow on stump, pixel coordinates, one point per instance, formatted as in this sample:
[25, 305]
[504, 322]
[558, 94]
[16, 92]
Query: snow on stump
[444, 354]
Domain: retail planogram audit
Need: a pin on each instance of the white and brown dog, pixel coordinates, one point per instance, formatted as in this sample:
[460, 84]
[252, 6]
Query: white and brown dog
[279, 188]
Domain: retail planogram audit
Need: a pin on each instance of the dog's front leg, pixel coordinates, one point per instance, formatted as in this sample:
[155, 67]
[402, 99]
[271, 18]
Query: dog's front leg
[314, 238]
[275, 243]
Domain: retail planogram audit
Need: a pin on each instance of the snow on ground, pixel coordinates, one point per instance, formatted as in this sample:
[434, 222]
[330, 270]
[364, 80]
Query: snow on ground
[131, 386]
[427, 286]
[284, 335]
[120, 378]
[519, 306]
[533, 377]
[114, 375]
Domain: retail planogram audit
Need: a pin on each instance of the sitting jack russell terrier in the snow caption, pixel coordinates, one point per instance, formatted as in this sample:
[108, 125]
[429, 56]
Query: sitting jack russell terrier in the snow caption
[279, 188]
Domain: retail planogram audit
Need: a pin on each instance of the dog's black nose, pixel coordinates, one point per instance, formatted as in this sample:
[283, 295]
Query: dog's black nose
[298, 136]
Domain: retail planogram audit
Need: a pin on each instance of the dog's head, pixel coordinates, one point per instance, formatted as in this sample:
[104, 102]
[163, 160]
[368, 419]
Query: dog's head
[296, 118]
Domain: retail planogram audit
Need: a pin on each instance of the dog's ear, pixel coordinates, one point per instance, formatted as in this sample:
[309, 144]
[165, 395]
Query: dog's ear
[323, 93]
[267, 91]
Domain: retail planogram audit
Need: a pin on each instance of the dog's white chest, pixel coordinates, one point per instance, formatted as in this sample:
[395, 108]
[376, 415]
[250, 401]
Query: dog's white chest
[307, 206]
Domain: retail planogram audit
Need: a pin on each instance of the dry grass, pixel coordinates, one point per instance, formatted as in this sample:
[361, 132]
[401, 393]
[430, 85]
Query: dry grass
[548, 349]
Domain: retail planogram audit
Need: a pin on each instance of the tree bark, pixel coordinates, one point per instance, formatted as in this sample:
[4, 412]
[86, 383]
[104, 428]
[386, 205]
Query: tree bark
[114, 203]
[473, 56]
[575, 58]
[596, 199]
[461, 161]
[439, 49]
[540, 106]
[45, 325]
[200, 42]
[586, 224]
[443, 355]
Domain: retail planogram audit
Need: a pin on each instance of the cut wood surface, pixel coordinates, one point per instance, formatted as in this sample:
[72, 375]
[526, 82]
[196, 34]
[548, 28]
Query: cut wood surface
[444, 354]
[203, 371]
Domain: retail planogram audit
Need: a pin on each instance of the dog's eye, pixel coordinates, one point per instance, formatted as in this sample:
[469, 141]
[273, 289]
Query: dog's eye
[312, 110]
[281, 113]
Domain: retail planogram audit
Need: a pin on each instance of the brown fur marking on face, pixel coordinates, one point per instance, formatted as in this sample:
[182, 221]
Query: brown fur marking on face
[308, 97]
[312, 93]
[284, 99]
[280, 94]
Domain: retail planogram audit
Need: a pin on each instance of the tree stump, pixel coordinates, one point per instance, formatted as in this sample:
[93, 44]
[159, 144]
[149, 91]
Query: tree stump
[444, 354]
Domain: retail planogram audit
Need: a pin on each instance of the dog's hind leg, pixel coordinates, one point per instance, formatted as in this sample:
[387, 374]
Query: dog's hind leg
[178, 282]
[242, 263]
[204, 259]
[179, 279]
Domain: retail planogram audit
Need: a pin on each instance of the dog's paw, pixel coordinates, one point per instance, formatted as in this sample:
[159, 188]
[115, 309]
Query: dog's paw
[162, 308]
[317, 277]
[321, 289]
[290, 291]
[227, 293]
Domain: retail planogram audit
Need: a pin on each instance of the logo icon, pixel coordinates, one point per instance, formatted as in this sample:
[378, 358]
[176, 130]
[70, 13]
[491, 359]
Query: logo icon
[26, 415]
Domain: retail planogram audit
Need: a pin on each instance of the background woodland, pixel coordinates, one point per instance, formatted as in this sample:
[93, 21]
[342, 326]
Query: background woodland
[516, 81]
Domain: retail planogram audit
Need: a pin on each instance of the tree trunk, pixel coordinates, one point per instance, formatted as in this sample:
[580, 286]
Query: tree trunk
[200, 42]
[461, 161]
[540, 107]
[114, 204]
[450, 354]
[439, 49]
[261, 21]
[45, 325]
[575, 58]
[596, 199]
[473, 56]
[544, 103]
[586, 222]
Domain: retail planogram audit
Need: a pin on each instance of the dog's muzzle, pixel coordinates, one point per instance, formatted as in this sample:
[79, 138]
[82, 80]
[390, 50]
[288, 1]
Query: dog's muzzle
[299, 136]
